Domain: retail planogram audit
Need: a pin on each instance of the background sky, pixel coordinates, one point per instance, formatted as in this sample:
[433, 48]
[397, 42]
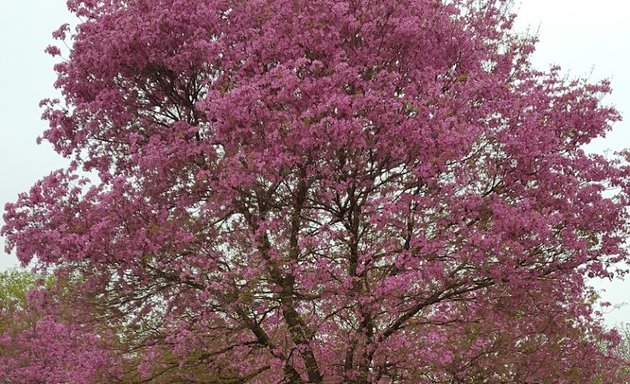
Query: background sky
[26, 76]
[585, 38]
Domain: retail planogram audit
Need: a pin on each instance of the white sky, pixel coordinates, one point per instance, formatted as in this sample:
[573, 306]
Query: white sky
[584, 37]
[26, 76]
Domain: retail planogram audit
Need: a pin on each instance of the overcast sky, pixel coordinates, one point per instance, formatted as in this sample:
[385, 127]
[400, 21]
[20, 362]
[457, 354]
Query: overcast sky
[26, 76]
[586, 38]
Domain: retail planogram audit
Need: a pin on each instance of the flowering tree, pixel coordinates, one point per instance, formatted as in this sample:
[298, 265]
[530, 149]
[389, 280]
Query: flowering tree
[356, 191]
[40, 342]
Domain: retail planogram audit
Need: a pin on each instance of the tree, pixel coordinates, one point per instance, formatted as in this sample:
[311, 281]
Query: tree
[623, 349]
[14, 286]
[328, 192]
[40, 342]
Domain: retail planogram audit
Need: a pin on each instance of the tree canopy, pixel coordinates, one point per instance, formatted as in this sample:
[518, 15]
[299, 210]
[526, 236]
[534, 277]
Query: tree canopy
[360, 191]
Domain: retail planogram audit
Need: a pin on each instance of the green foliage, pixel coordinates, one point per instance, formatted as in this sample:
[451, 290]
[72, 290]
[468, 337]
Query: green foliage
[14, 285]
[623, 349]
